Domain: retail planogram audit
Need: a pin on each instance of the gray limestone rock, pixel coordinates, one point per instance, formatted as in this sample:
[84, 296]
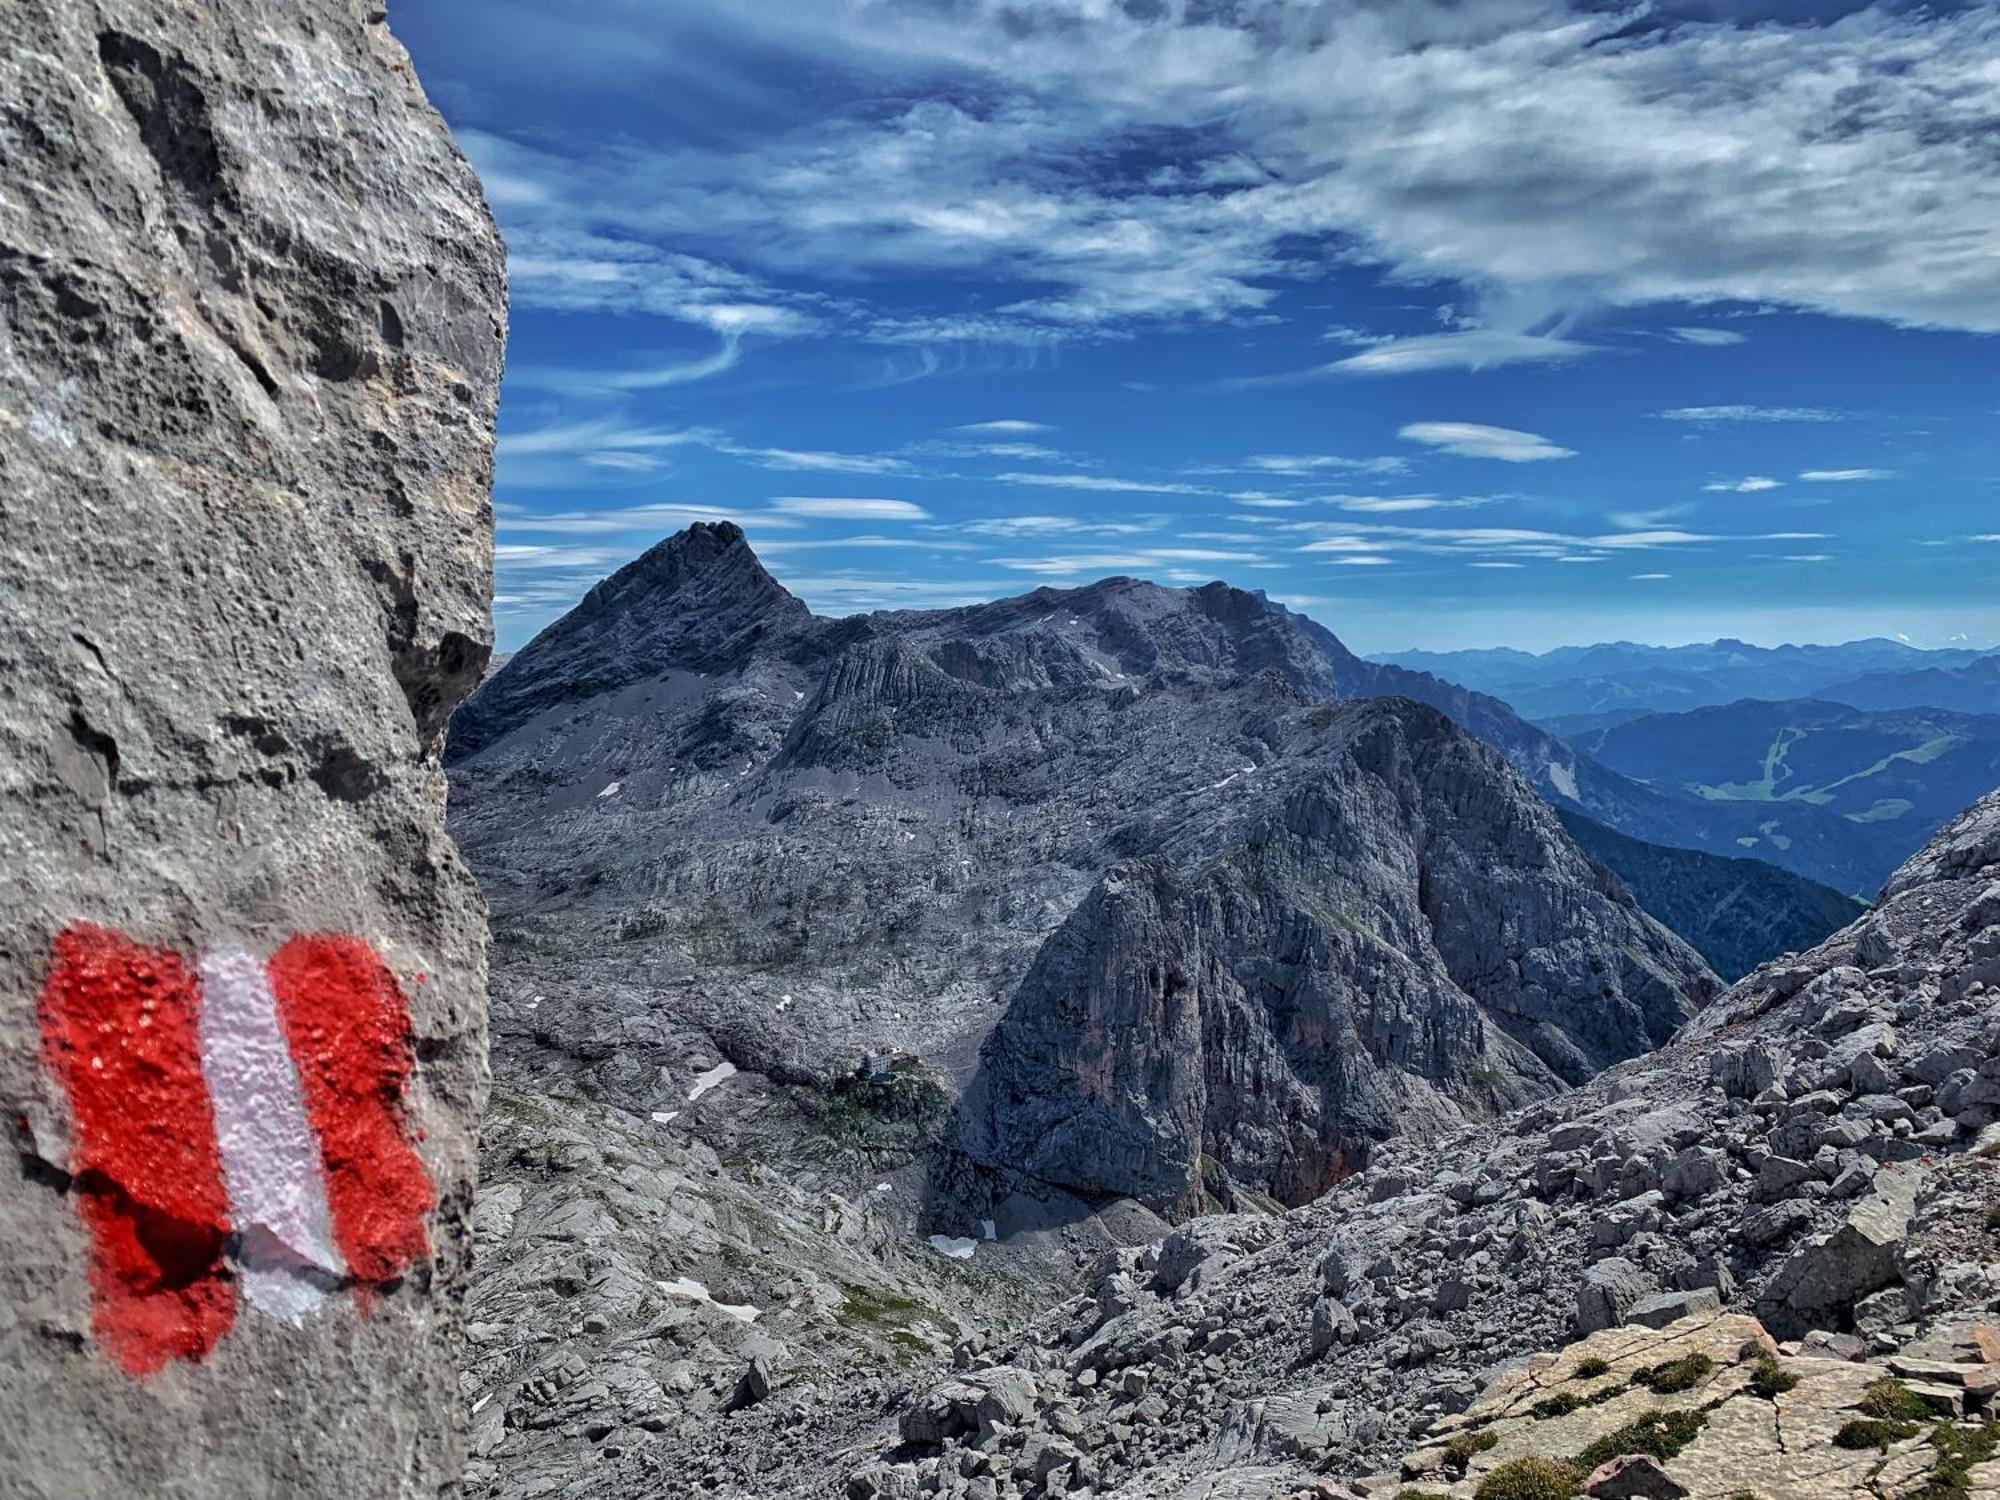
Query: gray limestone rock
[251, 319]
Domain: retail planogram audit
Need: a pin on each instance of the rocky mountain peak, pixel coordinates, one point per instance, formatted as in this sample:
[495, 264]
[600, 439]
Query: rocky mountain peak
[697, 602]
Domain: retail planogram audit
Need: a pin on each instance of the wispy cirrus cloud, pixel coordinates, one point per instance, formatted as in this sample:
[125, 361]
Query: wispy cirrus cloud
[1740, 413]
[1713, 338]
[848, 508]
[1833, 164]
[1843, 476]
[1475, 440]
[1750, 484]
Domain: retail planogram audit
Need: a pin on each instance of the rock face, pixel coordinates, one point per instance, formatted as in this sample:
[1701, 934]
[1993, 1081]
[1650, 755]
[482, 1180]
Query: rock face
[251, 322]
[1397, 937]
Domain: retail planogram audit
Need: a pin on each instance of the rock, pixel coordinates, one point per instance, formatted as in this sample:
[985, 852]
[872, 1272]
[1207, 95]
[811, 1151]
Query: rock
[1332, 1324]
[1827, 1273]
[1633, 1477]
[1663, 1308]
[1609, 1290]
[251, 320]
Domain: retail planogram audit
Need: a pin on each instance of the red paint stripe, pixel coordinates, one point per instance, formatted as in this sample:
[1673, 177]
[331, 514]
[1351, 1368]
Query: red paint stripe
[119, 1032]
[348, 1026]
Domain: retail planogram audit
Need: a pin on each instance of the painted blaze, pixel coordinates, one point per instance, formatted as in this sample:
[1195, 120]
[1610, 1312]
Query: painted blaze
[239, 1129]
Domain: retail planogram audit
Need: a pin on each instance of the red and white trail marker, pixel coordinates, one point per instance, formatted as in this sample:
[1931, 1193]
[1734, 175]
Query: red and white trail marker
[239, 1127]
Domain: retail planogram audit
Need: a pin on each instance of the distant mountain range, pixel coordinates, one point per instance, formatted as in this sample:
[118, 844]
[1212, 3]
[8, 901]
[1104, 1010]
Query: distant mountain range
[1894, 772]
[1587, 686]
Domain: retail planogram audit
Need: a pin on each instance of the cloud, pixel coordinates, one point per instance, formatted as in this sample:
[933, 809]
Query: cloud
[1843, 476]
[1750, 414]
[845, 508]
[1112, 562]
[1473, 440]
[1650, 577]
[1473, 349]
[1106, 483]
[1020, 526]
[1316, 463]
[1004, 425]
[1837, 163]
[1748, 485]
[1711, 337]
[1496, 565]
[832, 463]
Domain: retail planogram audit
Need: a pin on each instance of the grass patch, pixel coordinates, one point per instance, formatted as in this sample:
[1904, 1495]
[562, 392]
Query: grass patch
[1873, 1432]
[1459, 1450]
[1662, 1434]
[1561, 1404]
[1958, 1449]
[1592, 1367]
[1531, 1479]
[1682, 1374]
[1768, 1378]
[1890, 1399]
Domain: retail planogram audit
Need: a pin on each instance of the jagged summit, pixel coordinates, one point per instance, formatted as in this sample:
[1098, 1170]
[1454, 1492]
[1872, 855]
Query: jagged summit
[698, 601]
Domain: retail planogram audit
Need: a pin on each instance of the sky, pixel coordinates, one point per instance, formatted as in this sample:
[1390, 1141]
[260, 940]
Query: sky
[1450, 324]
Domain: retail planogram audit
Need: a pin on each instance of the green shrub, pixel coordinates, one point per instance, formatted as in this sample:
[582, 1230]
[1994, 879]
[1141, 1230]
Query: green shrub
[1769, 1378]
[1659, 1433]
[1682, 1374]
[1890, 1398]
[1458, 1450]
[1530, 1479]
[1561, 1404]
[1873, 1432]
[1958, 1449]
[1422, 1495]
[1591, 1368]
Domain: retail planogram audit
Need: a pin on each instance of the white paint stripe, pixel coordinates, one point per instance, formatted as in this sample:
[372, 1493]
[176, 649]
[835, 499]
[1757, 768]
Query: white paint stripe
[270, 1155]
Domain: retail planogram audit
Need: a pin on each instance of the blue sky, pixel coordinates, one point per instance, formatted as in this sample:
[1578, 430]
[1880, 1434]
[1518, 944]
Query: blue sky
[1508, 323]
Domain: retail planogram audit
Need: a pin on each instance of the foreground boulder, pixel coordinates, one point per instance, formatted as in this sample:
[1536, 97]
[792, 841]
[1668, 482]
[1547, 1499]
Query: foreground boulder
[251, 316]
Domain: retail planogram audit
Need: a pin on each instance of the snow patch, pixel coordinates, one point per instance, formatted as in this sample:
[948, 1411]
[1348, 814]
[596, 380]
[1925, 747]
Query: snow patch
[694, 1291]
[612, 790]
[1219, 785]
[952, 1246]
[666, 1116]
[715, 1077]
[1563, 779]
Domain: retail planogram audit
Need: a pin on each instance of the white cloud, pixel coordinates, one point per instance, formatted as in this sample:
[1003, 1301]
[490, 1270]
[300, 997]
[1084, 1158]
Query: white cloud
[1472, 349]
[1496, 565]
[1004, 425]
[1020, 526]
[1711, 337]
[1106, 483]
[832, 463]
[847, 508]
[1647, 157]
[1474, 440]
[1316, 463]
[1113, 562]
[1650, 577]
[1750, 414]
[1843, 476]
[1745, 486]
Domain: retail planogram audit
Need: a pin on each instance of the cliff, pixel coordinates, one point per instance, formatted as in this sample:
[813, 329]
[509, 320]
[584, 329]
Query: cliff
[251, 328]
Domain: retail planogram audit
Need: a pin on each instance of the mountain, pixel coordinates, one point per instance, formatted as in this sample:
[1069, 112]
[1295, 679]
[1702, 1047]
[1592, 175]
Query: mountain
[1894, 774]
[1622, 677]
[1735, 912]
[1973, 688]
[824, 947]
